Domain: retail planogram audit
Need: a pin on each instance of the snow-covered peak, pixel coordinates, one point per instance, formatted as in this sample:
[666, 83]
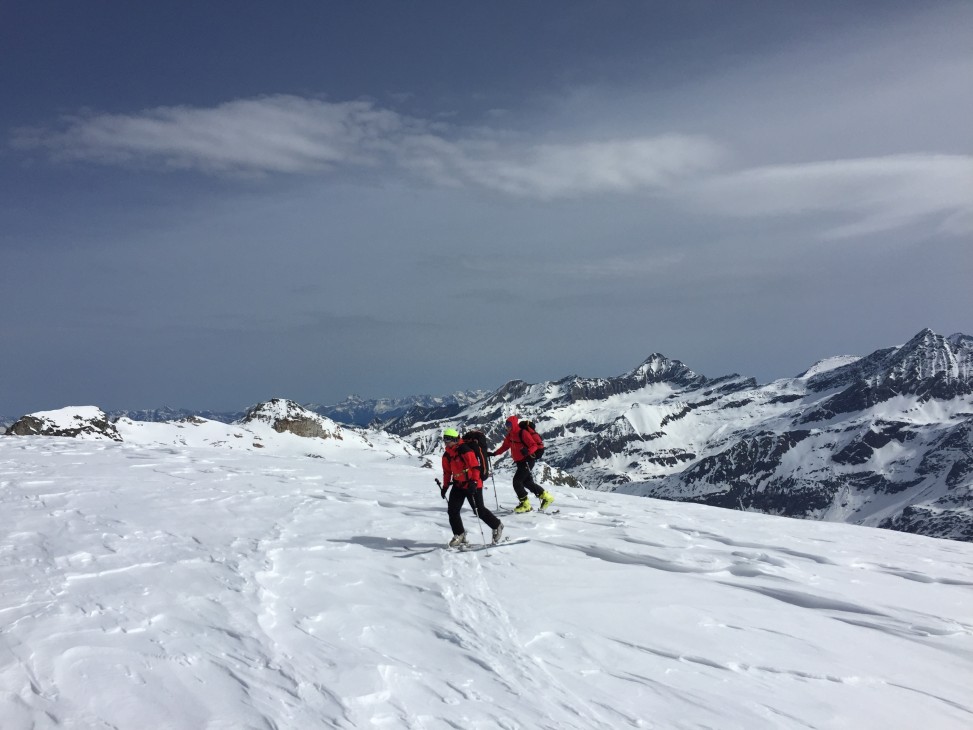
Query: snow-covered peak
[70, 415]
[960, 341]
[658, 368]
[85, 422]
[927, 364]
[928, 355]
[829, 364]
[287, 416]
[280, 409]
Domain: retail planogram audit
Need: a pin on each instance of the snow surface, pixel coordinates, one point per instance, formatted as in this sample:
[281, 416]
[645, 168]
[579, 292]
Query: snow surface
[828, 364]
[66, 417]
[196, 576]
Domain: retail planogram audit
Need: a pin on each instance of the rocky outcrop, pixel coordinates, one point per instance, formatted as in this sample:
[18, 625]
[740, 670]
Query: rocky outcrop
[286, 416]
[86, 422]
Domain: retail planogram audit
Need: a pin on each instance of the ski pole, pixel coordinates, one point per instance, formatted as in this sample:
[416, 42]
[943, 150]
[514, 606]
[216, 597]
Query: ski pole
[495, 493]
[472, 500]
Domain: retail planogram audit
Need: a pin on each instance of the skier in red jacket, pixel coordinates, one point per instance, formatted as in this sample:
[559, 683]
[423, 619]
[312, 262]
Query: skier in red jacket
[461, 470]
[523, 445]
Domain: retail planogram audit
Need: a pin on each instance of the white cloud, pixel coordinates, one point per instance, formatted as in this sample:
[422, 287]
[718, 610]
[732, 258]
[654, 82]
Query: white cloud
[288, 134]
[880, 194]
[293, 135]
[563, 170]
[273, 134]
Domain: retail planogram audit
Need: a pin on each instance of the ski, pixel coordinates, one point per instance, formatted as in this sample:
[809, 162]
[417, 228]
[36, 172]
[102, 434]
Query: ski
[505, 512]
[470, 547]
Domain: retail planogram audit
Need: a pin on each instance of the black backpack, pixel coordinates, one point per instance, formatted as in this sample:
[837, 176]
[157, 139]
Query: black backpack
[529, 426]
[477, 442]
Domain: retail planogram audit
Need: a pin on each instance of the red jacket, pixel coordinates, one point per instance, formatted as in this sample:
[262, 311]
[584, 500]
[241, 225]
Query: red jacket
[460, 465]
[521, 443]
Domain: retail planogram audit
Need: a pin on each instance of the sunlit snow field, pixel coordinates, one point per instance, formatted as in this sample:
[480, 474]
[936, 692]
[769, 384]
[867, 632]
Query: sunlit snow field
[185, 579]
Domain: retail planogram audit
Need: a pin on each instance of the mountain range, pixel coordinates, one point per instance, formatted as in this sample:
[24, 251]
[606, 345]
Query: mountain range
[884, 440]
[352, 411]
[357, 411]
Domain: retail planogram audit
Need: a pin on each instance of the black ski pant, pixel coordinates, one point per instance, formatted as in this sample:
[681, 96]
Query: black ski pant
[524, 480]
[458, 495]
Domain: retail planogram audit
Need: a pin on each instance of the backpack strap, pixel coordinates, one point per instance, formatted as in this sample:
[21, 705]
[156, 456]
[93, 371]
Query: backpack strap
[520, 433]
[530, 429]
[464, 448]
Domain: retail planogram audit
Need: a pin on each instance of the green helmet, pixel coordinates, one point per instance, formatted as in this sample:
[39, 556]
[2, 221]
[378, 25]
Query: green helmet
[450, 433]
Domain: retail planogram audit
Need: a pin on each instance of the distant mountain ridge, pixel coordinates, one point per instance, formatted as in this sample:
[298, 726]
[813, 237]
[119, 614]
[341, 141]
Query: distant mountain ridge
[161, 415]
[269, 426]
[884, 440]
[352, 411]
[357, 411]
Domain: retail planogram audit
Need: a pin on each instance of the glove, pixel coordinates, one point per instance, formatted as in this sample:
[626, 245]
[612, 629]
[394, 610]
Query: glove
[444, 490]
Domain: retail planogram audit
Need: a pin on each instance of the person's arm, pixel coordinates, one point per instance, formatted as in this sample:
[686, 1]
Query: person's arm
[447, 473]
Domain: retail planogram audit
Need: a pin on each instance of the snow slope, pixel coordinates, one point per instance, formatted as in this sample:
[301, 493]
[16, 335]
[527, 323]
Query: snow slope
[884, 440]
[193, 577]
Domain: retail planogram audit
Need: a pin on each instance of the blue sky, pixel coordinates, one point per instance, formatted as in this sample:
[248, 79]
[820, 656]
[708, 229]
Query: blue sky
[206, 205]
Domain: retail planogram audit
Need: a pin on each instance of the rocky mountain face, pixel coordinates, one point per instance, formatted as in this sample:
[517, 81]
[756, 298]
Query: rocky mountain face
[884, 440]
[285, 416]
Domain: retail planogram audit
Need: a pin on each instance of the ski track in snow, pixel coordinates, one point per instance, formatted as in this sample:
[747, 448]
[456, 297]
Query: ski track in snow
[208, 589]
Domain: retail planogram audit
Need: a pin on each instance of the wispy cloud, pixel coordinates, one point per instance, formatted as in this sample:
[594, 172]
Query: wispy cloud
[551, 171]
[878, 194]
[288, 134]
[274, 134]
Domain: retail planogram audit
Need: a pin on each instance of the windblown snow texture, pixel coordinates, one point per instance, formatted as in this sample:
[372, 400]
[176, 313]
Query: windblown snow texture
[204, 575]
